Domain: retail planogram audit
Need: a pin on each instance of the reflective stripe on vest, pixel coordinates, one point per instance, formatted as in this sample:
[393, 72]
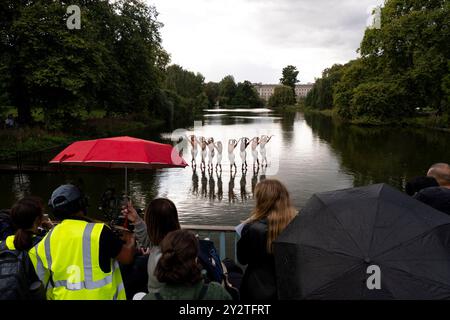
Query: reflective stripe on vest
[67, 261]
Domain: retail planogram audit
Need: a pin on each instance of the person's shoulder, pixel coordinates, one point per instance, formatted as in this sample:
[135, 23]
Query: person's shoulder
[255, 226]
[434, 192]
[217, 291]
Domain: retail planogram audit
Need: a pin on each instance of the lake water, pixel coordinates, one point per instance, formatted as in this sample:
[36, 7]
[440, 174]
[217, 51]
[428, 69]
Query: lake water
[308, 153]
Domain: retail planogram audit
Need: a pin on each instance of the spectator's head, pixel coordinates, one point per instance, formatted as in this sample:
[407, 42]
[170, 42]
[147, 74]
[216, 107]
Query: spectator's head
[416, 184]
[273, 203]
[441, 172]
[26, 215]
[178, 264]
[161, 217]
[68, 200]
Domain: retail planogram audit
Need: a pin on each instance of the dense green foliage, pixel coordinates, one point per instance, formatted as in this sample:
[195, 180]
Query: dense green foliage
[403, 68]
[321, 95]
[282, 96]
[242, 94]
[115, 62]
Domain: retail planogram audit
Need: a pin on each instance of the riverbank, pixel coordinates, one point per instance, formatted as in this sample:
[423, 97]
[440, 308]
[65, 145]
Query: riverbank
[423, 121]
[35, 138]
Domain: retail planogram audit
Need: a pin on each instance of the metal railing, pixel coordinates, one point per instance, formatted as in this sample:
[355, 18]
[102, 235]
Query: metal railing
[224, 237]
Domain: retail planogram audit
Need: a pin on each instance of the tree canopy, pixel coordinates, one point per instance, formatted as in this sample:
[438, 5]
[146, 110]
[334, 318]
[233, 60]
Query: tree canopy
[115, 62]
[282, 96]
[404, 66]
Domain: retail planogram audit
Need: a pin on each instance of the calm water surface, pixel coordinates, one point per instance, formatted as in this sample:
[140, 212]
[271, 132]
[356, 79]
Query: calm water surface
[309, 153]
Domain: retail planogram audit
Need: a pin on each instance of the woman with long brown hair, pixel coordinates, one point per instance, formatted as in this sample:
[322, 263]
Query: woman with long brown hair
[272, 213]
[161, 217]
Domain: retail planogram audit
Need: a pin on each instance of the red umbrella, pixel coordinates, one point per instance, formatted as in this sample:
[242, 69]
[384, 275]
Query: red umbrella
[120, 152]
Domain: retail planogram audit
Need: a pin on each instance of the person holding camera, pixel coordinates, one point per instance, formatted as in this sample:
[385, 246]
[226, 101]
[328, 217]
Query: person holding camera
[78, 259]
[161, 217]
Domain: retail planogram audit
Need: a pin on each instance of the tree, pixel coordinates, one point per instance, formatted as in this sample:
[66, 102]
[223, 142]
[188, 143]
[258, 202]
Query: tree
[281, 97]
[321, 95]
[115, 62]
[289, 77]
[246, 95]
[403, 65]
[212, 91]
[185, 83]
[227, 88]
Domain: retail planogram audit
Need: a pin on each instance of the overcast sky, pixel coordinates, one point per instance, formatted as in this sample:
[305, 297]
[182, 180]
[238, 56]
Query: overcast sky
[254, 39]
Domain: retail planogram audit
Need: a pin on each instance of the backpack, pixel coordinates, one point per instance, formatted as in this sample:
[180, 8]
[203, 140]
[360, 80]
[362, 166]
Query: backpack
[16, 270]
[210, 261]
[6, 228]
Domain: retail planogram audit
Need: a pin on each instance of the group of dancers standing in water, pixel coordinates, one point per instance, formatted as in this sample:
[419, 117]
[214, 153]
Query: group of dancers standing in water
[208, 147]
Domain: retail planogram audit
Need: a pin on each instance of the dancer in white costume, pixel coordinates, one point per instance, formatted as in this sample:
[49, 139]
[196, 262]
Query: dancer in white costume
[244, 144]
[211, 153]
[194, 149]
[219, 149]
[232, 143]
[254, 143]
[204, 152]
[262, 148]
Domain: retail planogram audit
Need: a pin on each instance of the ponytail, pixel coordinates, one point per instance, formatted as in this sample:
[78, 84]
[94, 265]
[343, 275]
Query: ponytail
[24, 214]
[23, 240]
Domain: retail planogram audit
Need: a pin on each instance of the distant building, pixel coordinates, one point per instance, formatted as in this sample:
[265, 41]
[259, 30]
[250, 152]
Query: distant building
[266, 90]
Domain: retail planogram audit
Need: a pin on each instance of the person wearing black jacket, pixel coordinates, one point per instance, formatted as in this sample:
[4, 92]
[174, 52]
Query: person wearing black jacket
[272, 213]
[437, 197]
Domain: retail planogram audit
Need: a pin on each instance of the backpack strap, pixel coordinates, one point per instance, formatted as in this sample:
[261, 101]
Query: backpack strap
[203, 291]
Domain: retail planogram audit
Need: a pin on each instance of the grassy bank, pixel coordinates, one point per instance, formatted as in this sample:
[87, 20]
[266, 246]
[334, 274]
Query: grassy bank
[421, 121]
[31, 139]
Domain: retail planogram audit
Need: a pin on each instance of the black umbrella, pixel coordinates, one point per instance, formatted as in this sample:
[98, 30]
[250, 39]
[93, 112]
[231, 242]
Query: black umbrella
[364, 243]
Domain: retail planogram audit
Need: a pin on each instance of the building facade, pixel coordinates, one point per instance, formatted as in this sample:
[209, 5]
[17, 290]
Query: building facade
[265, 91]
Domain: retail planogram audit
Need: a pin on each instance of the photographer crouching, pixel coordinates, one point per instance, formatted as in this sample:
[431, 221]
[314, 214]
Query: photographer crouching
[79, 259]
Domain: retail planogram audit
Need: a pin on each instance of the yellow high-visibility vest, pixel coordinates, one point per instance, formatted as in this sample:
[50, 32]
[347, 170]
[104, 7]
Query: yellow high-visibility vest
[67, 262]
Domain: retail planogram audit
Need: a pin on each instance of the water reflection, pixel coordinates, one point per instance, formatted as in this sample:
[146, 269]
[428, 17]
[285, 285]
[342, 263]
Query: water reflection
[194, 182]
[219, 185]
[381, 154]
[231, 195]
[308, 153]
[212, 186]
[243, 183]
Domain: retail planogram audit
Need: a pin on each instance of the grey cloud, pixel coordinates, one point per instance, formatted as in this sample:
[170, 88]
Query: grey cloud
[311, 24]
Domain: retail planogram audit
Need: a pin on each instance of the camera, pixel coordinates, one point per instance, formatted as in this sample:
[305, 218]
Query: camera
[111, 207]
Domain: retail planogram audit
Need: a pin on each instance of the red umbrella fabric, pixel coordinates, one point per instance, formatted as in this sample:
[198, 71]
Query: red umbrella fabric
[120, 152]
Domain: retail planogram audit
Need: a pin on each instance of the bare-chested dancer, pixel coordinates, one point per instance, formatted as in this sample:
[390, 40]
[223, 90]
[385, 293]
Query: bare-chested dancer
[254, 144]
[219, 149]
[262, 148]
[204, 152]
[232, 143]
[211, 153]
[194, 149]
[244, 144]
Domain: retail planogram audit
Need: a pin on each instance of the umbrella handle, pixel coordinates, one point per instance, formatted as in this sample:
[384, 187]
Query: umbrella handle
[125, 224]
